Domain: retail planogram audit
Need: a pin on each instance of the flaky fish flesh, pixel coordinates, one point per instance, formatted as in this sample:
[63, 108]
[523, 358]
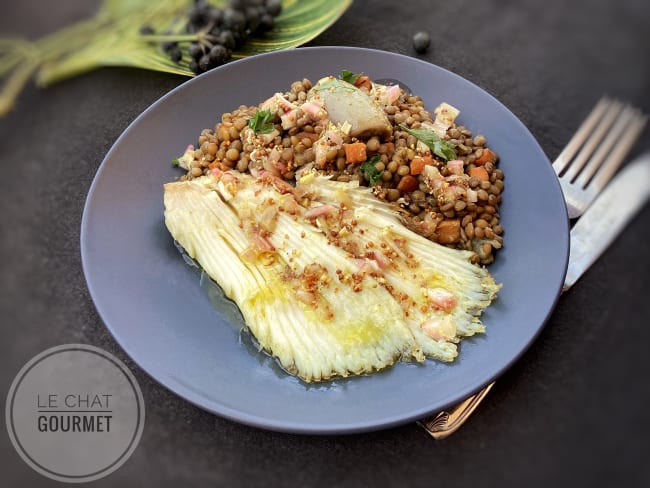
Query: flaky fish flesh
[327, 277]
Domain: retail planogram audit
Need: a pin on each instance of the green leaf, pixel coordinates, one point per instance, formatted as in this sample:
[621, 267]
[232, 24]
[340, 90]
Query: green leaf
[300, 22]
[369, 170]
[349, 76]
[112, 38]
[261, 122]
[443, 149]
[175, 163]
[122, 7]
[116, 42]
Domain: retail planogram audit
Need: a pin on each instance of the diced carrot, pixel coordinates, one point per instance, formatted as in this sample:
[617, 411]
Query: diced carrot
[448, 231]
[487, 157]
[407, 184]
[480, 173]
[216, 164]
[355, 152]
[418, 164]
[363, 81]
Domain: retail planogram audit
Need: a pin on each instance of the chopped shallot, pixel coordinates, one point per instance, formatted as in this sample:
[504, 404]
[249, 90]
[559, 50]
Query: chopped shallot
[319, 211]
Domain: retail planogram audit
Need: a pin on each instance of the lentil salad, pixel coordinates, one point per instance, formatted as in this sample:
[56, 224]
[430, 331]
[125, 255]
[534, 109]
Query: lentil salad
[444, 179]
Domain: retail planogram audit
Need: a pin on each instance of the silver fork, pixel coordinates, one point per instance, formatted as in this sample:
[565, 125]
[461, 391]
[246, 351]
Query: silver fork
[584, 168]
[596, 151]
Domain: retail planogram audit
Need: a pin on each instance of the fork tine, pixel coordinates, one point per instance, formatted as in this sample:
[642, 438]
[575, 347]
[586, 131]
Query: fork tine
[594, 140]
[619, 152]
[615, 133]
[581, 135]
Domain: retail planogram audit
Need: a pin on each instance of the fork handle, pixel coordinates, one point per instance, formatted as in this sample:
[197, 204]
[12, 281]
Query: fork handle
[449, 421]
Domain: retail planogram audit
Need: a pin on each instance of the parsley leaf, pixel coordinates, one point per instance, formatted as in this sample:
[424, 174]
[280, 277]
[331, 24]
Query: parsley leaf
[370, 171]
[261, 122]
[349, 76]
[175, 163]
[444, 149]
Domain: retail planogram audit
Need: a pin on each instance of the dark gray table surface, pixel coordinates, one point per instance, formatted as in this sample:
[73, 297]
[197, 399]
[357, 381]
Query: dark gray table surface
[573, 411]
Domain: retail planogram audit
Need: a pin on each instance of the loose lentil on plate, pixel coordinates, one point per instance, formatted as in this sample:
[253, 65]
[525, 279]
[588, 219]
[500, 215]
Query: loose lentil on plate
[454, 202]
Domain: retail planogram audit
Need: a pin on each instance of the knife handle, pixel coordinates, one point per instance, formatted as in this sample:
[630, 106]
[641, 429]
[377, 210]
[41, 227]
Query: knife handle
[449, 421]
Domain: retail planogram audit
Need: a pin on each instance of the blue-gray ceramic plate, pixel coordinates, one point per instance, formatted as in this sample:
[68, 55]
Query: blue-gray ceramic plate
[187, 338]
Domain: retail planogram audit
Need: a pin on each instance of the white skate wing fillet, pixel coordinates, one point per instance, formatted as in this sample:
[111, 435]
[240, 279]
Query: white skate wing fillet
[326, 276]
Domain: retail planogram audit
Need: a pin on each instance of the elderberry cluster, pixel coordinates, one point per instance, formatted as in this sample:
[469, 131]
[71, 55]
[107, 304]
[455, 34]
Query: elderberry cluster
[221, 30]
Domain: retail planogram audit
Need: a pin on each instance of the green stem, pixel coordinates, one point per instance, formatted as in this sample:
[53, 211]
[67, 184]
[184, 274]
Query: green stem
[51, 73]
[171, 37]
[12, 43]
[14, 84]
[72, 37]
[9, 62]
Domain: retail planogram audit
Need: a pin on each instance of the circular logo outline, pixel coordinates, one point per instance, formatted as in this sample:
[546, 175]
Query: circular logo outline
[114, 465]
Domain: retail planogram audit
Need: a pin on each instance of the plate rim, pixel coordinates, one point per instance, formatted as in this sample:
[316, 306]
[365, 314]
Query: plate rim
[246, 418]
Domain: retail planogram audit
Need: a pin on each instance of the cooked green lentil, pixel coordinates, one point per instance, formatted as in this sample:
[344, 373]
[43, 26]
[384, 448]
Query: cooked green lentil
[467, 218]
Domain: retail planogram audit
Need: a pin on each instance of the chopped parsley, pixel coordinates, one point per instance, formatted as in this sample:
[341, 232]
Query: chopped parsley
[175, 163]
[349, 76]
[444, 149]
[261, 122]
[369, 170]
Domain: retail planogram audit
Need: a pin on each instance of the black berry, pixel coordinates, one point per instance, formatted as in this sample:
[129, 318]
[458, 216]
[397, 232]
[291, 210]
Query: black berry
[195, 51]
[421, 41]
[218, 55]
[175, 54]
[205, 63]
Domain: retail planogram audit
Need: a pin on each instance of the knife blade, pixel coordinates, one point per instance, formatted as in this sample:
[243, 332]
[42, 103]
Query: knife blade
[604, 220]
